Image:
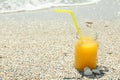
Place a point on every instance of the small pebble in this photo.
(0, 56)
(106, 26)
(1, 78)
(96, 71)
(89, 22)
(109, 52)
(87, 71)
(118, 78)
(65, 54)
(99, 68)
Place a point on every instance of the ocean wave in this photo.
(28, 5)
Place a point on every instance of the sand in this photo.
(44, 50)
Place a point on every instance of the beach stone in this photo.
(99, 68)
(96, 71)
(1, 78)
(106, 25)
(0, 56)
(89, 22)
(110, 52)
(118, 78)
(87, 71)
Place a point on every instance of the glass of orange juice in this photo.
(86, 50)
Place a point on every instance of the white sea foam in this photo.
(26, 5)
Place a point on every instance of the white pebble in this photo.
(87, 71)
(96, 71)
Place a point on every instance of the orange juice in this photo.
(85, 53)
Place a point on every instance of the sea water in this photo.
(26, 5)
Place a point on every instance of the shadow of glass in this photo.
(102, 70)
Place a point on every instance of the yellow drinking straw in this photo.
(73, 18)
